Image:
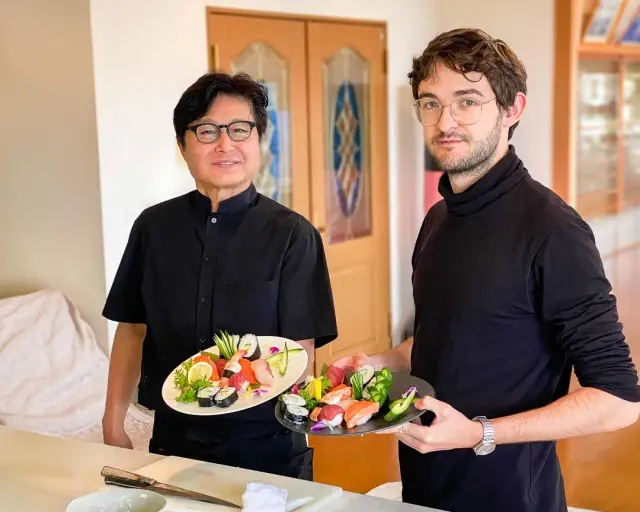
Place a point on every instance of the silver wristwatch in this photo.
(488, 444)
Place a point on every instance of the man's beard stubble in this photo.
(480, 157)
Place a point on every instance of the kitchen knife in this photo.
(123, 478)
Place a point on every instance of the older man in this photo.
(222, 257)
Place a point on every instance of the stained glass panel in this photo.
(264, 65)
(347, 143)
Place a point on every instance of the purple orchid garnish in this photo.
(318, 426)
(409, 391)
(260, 392)
(274, 350)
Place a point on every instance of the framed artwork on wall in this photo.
(603, 20)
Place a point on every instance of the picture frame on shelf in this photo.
(603, 21)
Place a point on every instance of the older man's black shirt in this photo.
(510, 296)
(253, 266)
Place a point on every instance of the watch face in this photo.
(485, 449)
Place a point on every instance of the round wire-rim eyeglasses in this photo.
(474, 112)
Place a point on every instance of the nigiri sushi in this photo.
(263, 372)
(233, 365)
(331, 415)
(358, 413)
(346, 403)
(315, 413)
(336, 395)
(239, 381)
(247, 370)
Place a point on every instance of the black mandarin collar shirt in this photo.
(188, 273)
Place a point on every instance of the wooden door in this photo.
(349, 178)
(327, 88)
(271, 51)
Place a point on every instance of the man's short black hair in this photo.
(198, 98)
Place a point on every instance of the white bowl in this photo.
(118, 500)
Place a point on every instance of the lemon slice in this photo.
(199, 370)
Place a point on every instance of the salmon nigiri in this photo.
(337, 395)
(358, 413)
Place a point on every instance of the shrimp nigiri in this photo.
(337, 395)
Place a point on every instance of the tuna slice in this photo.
(240, 382)
(335, 375)
(262, 371)
(331, 415)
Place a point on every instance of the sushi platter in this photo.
(237, 373)
(338, 404)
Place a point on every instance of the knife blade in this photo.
(121, 478)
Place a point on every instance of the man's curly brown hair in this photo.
(471, 50)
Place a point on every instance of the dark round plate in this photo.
(399, 385)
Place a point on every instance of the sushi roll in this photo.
(296, 414)
(366, 372)
(365, 390)
(291, 399)
(226, 397)
(206, 396)
(249, 343)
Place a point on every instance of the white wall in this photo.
(146, 52)
(527, 26)
(51, 231)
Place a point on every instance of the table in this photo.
(39, 472)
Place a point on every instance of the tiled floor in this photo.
(602, 472)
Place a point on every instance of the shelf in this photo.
(609, 51)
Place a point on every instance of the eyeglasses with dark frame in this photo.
(208, 133)
(465, 111)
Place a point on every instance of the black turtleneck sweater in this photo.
(510, 296)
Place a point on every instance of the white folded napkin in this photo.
(260, 497)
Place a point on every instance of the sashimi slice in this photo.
(335, 375)
(315, 413)
(262, 372)
(240, 382)
(220, 364)
(337, 395)
(360, 412)
(345, 404)
(247, 370)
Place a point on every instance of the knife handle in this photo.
(125, 478)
